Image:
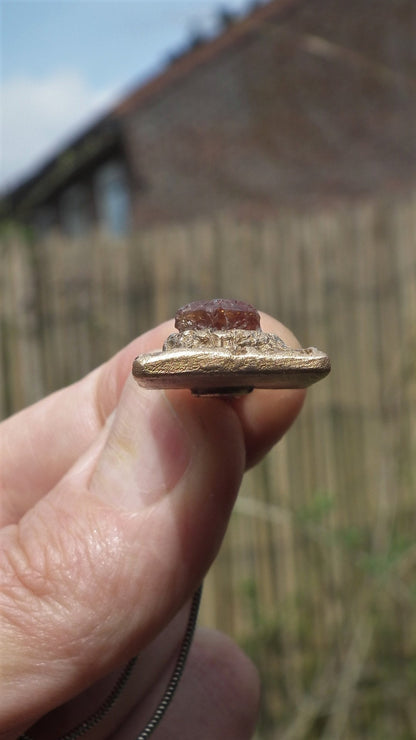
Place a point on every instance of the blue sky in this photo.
(63, 62)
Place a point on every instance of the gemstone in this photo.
(219, 314)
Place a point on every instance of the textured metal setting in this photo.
(229, 362)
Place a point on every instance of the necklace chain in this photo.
(94, 719)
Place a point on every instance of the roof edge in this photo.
(174, 72)
(205, 52)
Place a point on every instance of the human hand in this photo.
(115, 500)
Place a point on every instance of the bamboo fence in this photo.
(317, 576)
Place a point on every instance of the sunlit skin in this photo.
(115, 500)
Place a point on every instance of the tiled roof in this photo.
(236, 33)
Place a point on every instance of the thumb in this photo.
(101, 564)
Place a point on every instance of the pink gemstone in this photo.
(219, 314)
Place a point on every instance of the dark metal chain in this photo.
(178, 670)
(118, 687)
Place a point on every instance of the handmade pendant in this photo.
(220, 349)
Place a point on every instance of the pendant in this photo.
(220, 349)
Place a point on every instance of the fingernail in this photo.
(147, 451)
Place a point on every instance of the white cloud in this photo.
(40, 114)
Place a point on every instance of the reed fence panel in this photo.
(317, 575)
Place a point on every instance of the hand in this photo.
(115, 500)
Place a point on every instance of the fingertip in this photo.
(273, 326)
(267, 414)
(265, 417)
(235, 671)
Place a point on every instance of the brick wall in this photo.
(318, 103)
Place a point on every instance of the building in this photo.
(300, 102)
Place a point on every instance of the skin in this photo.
(115, 500)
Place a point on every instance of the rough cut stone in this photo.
(219, 314)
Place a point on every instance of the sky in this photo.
(64, 62)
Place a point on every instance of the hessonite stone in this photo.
(219, 314)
